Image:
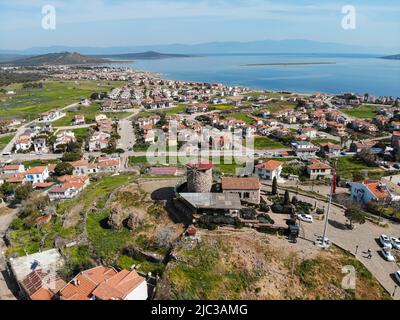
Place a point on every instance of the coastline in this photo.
(283, 64)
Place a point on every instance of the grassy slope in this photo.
(362, 112)
(265, 143)
(242, 265)
(29, 103)
(5, 140)
(89, 113)
(346, 166)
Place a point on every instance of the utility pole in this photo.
(329, 207)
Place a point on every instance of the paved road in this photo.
(127, 133)
(365, 236)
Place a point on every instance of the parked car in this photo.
(387, 255)
(305, 217)
(395, 243)
(385, 241)
(397, 276)
(322, 242)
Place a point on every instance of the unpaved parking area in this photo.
(364, 236)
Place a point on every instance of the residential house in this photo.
(367, 191)
(317, 170)
(336, 128)
(269, 169)
(310, 133)
(37, 174)
(62, 192)
(247, 188)
(79, 119)
(329, 149)
(13, 169)
(304, 149)
(104, 283)
(40, 146)
(98, 141)
(64, 138)
(51, 115)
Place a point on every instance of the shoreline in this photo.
(284, 64)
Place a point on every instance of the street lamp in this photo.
(394, 292)
(356, 250)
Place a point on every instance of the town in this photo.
(87, 216)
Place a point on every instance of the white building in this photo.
(37, 174)
(269, 170)
(304, 149)
(40, 146)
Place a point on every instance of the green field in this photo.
(29, 103)
(39, 163)
(319, 141)
(5, 140)
(265, 143)
(81, 133)
(346, 166)
(362, 112)
(89, 113)
(222, 107)
(240, 116)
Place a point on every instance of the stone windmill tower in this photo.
(199, 177)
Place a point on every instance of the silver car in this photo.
(395, 243)
(385, 241)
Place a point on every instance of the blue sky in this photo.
(107, 23)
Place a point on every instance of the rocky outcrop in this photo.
(116, 218)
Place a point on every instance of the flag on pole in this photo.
(334, 183)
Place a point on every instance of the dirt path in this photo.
(5, 221)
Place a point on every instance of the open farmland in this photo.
(29, 103)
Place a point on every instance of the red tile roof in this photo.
(82, 286)
(41, 285)
(319, 166)
(377, 189)
(36, 170)
(270, 165)
(118, 286)
(102, 282)
(200, 166)
(229, 183)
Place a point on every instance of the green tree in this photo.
(286, 198)
(63, 168)
(354, 215)
(274, 186)
(295, 201)
(22, 192)
(71, 156)
(7, 189)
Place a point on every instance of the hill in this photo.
(148, 55)
(263, 46)
(62, 58)
(394, 57)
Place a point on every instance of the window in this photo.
(246, 195)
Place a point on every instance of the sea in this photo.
(328, 73)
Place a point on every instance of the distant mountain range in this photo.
(264, 46)
(68, 58)
(394, 57)
(148, 55)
